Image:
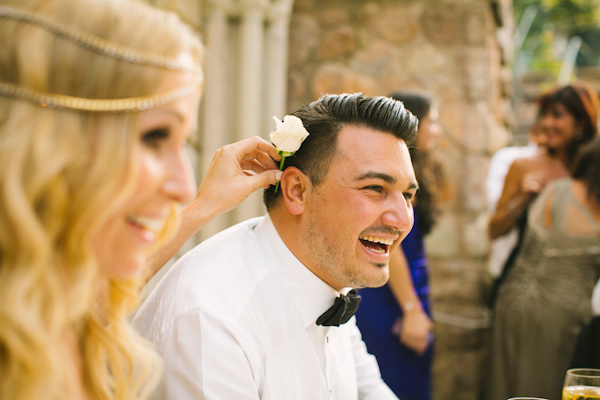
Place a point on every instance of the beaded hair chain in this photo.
(97, 105)
(107, 48)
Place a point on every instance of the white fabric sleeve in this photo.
(370, 384)
(204, 359)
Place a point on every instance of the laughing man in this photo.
(246, 314)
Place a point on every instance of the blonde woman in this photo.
(97, 100)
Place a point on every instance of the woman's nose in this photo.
(179, 183)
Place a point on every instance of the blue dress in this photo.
(405, 372)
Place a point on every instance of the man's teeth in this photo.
(377, 240)
(151, 224)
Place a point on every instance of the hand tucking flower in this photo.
(288, 137)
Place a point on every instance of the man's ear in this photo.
(294, 186)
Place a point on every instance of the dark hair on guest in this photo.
(428, 170)
(582, 102)
(586, 168)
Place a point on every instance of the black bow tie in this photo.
(342, 310)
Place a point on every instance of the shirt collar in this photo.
(311, 295)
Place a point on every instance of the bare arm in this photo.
(226, 184)
(416, 325)
(520, 187)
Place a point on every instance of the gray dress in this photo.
(545, 299)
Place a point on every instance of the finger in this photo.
(267, 147)
(420, 349)
(254, 145)
(265, 179)
(245, 149)
(253, 165)
(261, 158)
(417, 345)
(266, 160)
(412, 345)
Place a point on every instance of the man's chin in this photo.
(381, 278)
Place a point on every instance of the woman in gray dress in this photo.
(545, 299)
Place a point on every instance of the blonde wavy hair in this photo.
(62, 174)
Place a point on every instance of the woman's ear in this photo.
(294, 185)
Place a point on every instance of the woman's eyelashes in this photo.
(155, 137)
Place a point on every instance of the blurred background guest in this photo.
(500, 162)
(395, 320)
(567, 119)
(545, 299)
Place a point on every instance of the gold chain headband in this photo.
(104, 47)
(97, 105)
(94, 43)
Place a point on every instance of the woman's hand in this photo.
(414, 330)
(532, 183)
(226, 184)
(229, 181)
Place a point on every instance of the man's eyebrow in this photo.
(377, 175)
(386, 178)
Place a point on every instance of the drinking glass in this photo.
(582, 384)
(526, 398)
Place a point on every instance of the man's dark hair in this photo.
(325, 117)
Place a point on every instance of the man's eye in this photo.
(375, 188)
(409, 197)
(155, 137)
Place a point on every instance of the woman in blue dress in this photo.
(395, 320)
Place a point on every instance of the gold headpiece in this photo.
(107, 48)
(94, 43)
(97, 105)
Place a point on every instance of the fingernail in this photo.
(278, 175)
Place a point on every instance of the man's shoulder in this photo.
(223, 259)
(217, 276)
(241, 233)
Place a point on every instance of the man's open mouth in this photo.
(375, 244)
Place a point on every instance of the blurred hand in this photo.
(414, 330)
(533, 182)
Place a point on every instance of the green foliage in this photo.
(555, 22)
(570, 15)
(566, 16)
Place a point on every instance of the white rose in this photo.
(289, 134)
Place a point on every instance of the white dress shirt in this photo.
(234, 319)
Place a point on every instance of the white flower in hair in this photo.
(288, 137)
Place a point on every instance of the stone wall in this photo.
(457, 51)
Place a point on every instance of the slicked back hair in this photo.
(324, 119)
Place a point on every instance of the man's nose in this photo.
(399, 214)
